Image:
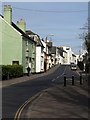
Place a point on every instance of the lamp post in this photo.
(46, 47)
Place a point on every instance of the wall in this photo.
(0, 41)
(29, 58)
(38, 59)
(11, 44)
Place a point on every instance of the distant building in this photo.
(68, 54)
(74, 58)
(63, 55)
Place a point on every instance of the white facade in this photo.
(74, 58)
(44, 44)
(39, 59)
(60, 59)
(57, 56)
(46, 56)
(69, 54)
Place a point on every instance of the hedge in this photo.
(11, 71)
(80, 65)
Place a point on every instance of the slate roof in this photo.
(38, 42)
(19, 30)
(1, 16)
(23, 33)
(74, 55)
(49, 44)
(29, 32)
(53, 50)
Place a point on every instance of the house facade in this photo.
(39, 51)
(67, 54)
(74, 58)
(17, 47)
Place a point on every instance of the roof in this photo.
(61, 48)
(1, 16)
(29, 32)
(19, 30)
(38, 42)
(53, 50)
(74, 55)
(49, 44)
(23, 33)
(61, 51)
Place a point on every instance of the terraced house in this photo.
(39, 51)
(17, 46)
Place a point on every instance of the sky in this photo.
(63, 20)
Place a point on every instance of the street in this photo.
(45, 60)
(15, 95)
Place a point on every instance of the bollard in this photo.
(72, 79)
(80, 79)
(64, 80)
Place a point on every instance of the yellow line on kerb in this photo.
(19, 111)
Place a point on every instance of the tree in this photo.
(87, 41)
(86, 37)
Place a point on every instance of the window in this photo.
(67, 48)
(15, 62)
(26, 43)
(30, 59)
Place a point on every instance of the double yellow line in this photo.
(20, 110)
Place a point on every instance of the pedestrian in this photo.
(28, 70)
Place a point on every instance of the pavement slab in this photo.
(60, 102)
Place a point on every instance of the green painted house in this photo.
(17, 46)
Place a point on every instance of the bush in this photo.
(80, 65)
(11, 71)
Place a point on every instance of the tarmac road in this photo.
(14, 96)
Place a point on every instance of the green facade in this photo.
(0, 42)
(11, 44)
(14, 48)
(29, 54)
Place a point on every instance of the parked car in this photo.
(73, 66)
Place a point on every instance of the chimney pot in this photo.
(21, 25)
(8, 13)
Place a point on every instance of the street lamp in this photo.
(46, 47)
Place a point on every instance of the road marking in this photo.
(53, 80)
(19, 111)
(60, 75)
(78, 73)
(63, 72)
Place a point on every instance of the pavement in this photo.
(60, 102)
(6, 83)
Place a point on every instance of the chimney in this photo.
(8, 13)
(21, 25)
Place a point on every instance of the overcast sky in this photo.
(62, 19)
